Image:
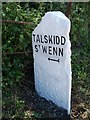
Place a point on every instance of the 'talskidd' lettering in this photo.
(49, 39)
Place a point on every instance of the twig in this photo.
(68, 11)
(16, 53)
(11, 21)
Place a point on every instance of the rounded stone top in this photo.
(55, 13)
(53, 21)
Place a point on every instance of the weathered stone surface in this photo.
(52, 62)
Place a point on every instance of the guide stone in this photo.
(52, 61)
